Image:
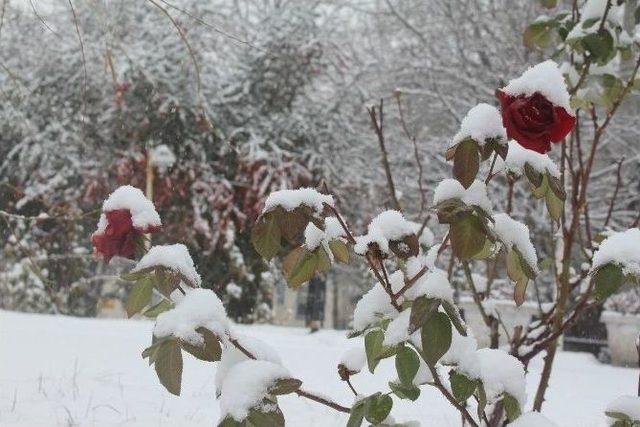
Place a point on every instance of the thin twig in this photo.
(377, 120)
(615, 192)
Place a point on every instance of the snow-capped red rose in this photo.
(534, 121)
(117, 236)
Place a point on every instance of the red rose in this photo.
(116, 235)
(534, 121)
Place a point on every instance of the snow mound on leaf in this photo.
(501, 373)
(481, 122)
(246, 384)
(620, 248)
(544, 78)
(143, 212)
(387, 226)
(628, 405)
(231, 356)
(291, 199)
(174, 257)
(198, 308)
(398, 329)
(475, 195)
(373, 305)
(433, 284)
(313, 236)
(517, 156)
(532, 419)
(515, 233)
(354, 359)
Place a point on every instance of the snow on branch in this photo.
(198, 308)
(246, 385)
(174, 257)
(292, 199)
(518, 156)
(475, 195)
(621, 249)
(481, 123)
(514, 233)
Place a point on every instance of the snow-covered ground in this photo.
(89, 372)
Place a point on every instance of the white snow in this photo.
(143, 213)
(233, 290)
(332, 228)
(174, 257)
(501, 372)
(313, 236)
(398, 329)
(517, 156)
(246, 384)
(231, 356)
(476, 194)
(162, 157)
(373, 305)
(515, 233)
(482, 122)
(544, 78)
(628, 405)
(199, 308)
(427, 237)
(532, 419)
(354, 359)
(291, 199)
(387, 226)
(93, 375)
(621, 248)
(462, 350)
(433, 284)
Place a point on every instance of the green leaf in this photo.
(481, 394)
(210, 351)
(534, 177)
(511, 406)
(285, 386)
(292, 223)
(436, 337)
(461, 386)
(608, 280)
(467, 236)
(160, 307)
(152, 351)
(600, 45)
(556, 187)
(538, 35)
(340, 250)
(304, 269)
(421, 309)
(139, 296)
(266, 235)
(516, 273)
(228, 421)
(378, 408)
(168, 366)
(258, 416)
(466, 162)
(407, 365)
(357, 414)
(454, 315)
(408, 392)
(549, 4)
(373, 347)
(555, 206)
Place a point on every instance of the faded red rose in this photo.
(534, 121)
(119, 237)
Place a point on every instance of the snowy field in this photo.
(59, 371)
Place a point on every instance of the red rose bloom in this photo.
(117, 236)
(534, 121)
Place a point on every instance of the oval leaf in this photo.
(436, 337)
(466, 162)
(169, 366)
